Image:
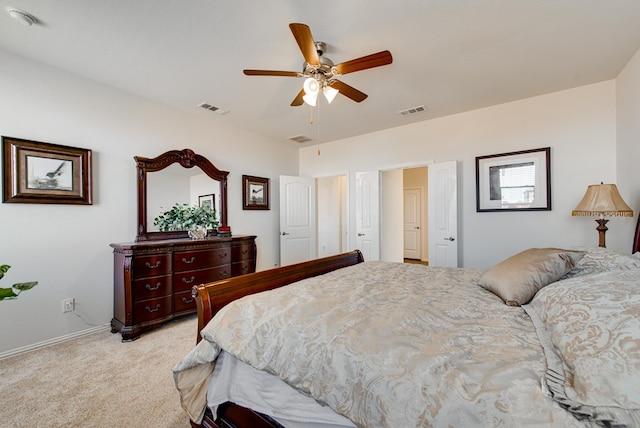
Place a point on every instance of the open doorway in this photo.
(331, 197)
(415, 215)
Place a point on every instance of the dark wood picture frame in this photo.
(255, 193)
(514, 181)
(208, 200)
(44, 173)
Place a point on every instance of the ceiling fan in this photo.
(319, 71)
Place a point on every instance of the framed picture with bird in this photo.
(255, 193)
(44, 173)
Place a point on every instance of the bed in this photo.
(352, 343)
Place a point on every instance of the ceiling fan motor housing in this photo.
(321, 48)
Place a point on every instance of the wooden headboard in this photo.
(211, 297)
(636, 237)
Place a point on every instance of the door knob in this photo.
(417, 227)
(284, 233)
(360, 234)
(451, 238)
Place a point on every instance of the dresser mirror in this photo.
(177, 176)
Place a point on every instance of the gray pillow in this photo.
(517, 279)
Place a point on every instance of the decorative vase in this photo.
(200, 232)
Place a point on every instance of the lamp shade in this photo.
(310, 99)
(602, 200)
(311, 86)
(329, 93)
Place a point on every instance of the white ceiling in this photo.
(448, 55)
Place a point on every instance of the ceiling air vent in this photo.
(413, 110)
(213, 108)
(300, 139)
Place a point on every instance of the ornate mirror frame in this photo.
(187, 159)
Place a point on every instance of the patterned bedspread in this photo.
(388, 345)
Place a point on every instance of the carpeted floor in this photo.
(98, 381)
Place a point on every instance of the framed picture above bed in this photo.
(515, 181)
(255, 193)
(43, 173)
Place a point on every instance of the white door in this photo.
(443, 208)
(297, 219)
(368, 214)
(412, 229)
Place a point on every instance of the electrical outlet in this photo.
(68, 305)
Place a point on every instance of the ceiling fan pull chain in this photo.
(310, 115)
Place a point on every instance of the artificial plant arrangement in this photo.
(8, 293)
(185, 217)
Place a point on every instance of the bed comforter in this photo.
(388, 345)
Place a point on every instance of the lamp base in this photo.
(602, 229)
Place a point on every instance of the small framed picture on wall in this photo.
(255, 193)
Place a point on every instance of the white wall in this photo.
(65, 247)
(578, 124)
(628, 150)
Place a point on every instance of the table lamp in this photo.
(602, 200)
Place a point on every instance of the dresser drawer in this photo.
(189, 260)
(153, 265)
(243, 252)
(186, 280)
(184, 301)
(153, 286)
(242, 268)
(152, 309)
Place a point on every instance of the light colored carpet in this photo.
(98, 381)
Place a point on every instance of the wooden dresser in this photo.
(153, 279)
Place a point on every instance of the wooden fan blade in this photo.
(298, 101)
(349, 91)
(271, 73)
(365, 62)
(302, 34)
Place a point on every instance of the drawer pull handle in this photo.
(149, 287)
(184, 299)
(193, 259)
(147, 264)
(223, 256)
(188, 281)
(157, 308)
(245, 251)
(223, 274)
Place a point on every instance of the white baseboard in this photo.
(28, 348)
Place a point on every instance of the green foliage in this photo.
(184, 217)
(8, 293)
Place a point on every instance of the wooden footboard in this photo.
(210, 298)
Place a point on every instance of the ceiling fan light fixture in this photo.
(329, 93)
(311, 99)
(311, 86)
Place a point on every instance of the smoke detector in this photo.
(25, 18)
